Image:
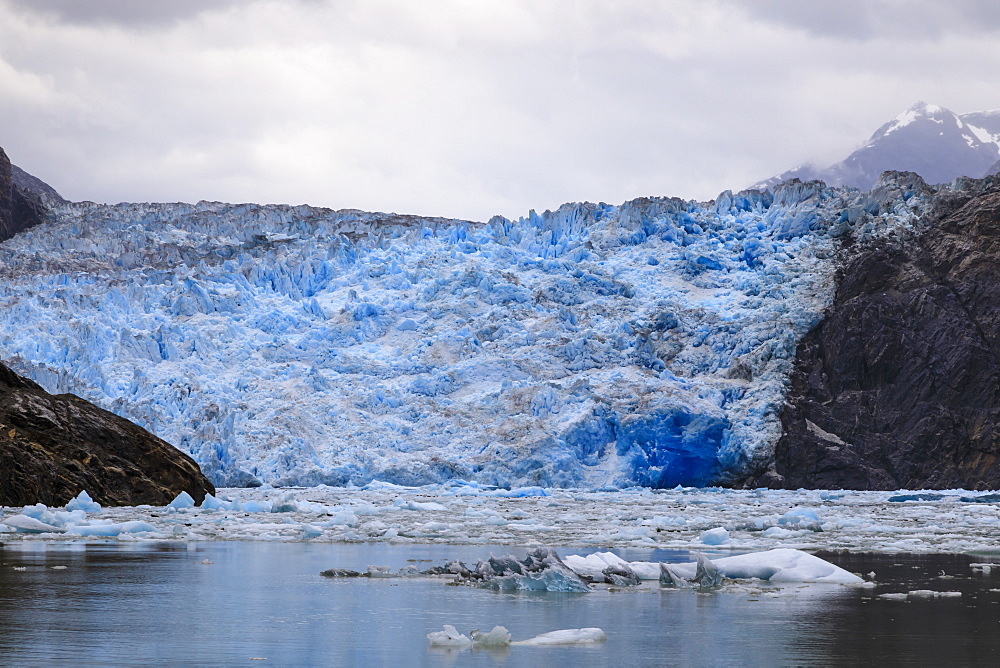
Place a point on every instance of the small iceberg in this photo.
(586, 636)
(784, 565)
(540, 570)
(25, 524)
(500, 637)
(450, 637)
(706, 575)
(83, 502)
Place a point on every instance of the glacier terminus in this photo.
(596, 346)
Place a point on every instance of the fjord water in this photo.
(233, 603)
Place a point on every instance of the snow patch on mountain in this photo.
(596, 345)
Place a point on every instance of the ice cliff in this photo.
(599, 346)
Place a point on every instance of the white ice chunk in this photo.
(498, 637)
(784, 565)
(566, 637)
(593, 565)
(256, 506)
(780, 565)
(799, 517)
(450, 637)
(214, 503)
(716, 536)
(418, 505)
(83, 502)
(111, 529)
(182, 500)
(25, 524)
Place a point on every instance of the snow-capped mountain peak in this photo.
(928, 139)
(919, 112)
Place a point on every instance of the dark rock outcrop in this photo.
(34, 185)
(899, 386)
(20, 208)
(54, 446)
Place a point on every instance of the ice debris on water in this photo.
(801, 518)
(499, 637)
(783, 565)
(450, 637)
(856, 521)
(918, 594)
(540, 570)
(584, 636)
(621, 575)
(292, 345)
(706, 576)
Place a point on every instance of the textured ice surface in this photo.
(593, 346)
(634, 519)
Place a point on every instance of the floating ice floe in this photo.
(500, 637)
(779, 565)
(585, 636)
(450, 637)
(918, 594)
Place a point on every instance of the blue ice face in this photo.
(591, 346)
(673, 448)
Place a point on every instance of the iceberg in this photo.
(540, 570)
(783, 565)
(83, 502)
(585, 636)
(449, 637)
(497, 637)
(299, 346)
(25, 524)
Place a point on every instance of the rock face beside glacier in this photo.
(596, 345)
(899, 386)
(20, 208)
(54, 447)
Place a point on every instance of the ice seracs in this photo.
(594, 346)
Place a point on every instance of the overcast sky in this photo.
(467, 109)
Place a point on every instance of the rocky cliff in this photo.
(54, 446)
(20, 208)
(899, 385)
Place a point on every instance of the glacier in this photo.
(594, 346)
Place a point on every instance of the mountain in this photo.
(926, 139)
(20, 209)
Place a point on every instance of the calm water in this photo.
(114, 604)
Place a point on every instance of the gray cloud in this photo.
(127, 13)
(460, 109)
(860, 20)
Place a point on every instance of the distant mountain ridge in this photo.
(932, 141)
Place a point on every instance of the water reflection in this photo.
(232, 603)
